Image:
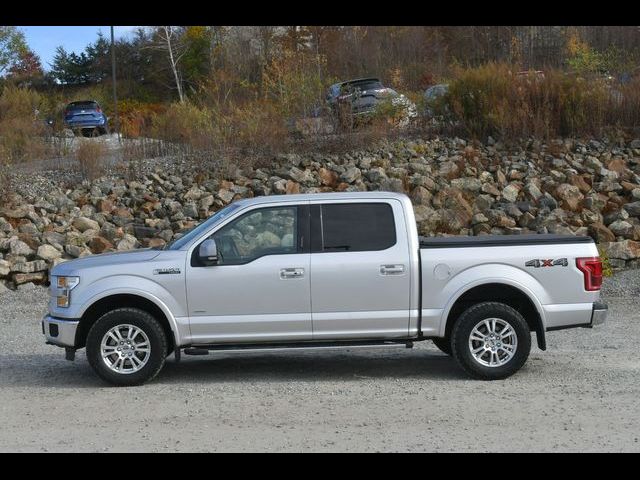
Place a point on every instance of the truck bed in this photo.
(543, 265)
(500, 240)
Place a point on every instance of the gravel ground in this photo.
(580, 395)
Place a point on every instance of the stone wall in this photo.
(565, 186)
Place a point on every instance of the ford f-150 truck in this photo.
(322, 271)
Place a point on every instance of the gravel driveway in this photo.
(582, 394)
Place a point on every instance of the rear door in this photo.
(360, 279)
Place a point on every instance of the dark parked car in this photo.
(86, 117)
(362, 96)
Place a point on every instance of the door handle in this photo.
(392, 269)
(287, 273)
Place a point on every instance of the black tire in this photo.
(144, 321)
(468, 321)
(443, 344)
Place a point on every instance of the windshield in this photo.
(196, 231)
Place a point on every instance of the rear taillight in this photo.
(591, 268)
(99, 110)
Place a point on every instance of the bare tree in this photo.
(169, 41)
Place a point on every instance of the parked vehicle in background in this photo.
(321, 271)
(359, 99)
(86, 117)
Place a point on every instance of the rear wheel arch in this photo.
(113, 302)
(505, 293)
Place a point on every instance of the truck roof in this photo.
(322, 196)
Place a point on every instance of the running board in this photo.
(205, 349)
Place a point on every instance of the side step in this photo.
(273, 347)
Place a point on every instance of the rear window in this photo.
(357, 227)
(362, 85)
(82, 106)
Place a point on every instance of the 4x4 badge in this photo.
(537, 263)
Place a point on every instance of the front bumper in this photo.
(79, 126)
(599, 313)
(59, 331)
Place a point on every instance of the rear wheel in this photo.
(126, 346)
(491, 341)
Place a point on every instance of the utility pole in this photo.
(115, 94)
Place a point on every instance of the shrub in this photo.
(21, 127)
(607, 269)
(90, 155)
(136, 118)
(256, 128)
(185, 123)
(495, 100)
(292, 82)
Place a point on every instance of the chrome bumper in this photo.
(60, 332)
(599, 313)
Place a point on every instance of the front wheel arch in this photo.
(112, 302)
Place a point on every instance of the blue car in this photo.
(86, 117)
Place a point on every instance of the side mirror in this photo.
(208, 252)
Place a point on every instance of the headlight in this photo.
(64, 286)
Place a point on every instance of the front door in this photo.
(259, 291)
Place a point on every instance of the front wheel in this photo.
(126, 347)
(491, 341)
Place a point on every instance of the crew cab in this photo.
(322, 271)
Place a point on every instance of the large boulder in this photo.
(601, 233)
(128, 242)
(48, 252)
(510, 192)
(100, 244)
(633, 208)
(621, 228)
(18, 247)
(328, 178)
(625, 250)
(351, 174)
(84, 223)
(5, 268)
(570, 196)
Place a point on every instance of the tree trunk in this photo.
(174, 66)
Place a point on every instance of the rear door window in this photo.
(357, 227)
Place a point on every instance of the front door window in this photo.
(267, 231)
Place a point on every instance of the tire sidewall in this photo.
(140, 319)
(465, 324)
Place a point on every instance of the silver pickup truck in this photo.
(322, 271)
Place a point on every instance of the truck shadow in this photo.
(324, 366)
(53, 371)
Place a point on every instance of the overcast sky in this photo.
(44, 40)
